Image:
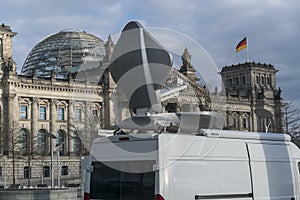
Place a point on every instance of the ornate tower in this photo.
(187, 68)
(6, 61)
(253, 85)
(109, 48)
(7, 75)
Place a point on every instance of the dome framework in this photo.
(63, 53)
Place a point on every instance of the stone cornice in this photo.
(45, 85)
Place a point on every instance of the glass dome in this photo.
(63, 53)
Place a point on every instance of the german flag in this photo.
(241, 45)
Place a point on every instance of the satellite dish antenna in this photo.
(139, 65)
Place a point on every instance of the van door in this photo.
(272, 171)
(109, 181)
(297, 178)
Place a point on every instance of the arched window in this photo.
(77, 144)
(257, 79)
(262, 80)
(237, 82)
(230, 81)
(41, 142)
(23, 141)
(235, 121)
(60, 141)
(269, 80)
(245, 124)
(234, 124)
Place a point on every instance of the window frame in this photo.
(95, 115)
(61, 114)
(23, 139)
(262, 80)
(245, 123)
(237, 81)
(78, 114)
(60, 138)
(64, 170)
(44, 114)
(41, 142)
(46, 171)
(234, 122)
(76, 144)
(27, 172)
(23, 113)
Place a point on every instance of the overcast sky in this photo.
(271, 26)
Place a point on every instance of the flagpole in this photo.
(247, 55)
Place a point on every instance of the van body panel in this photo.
(117, 148)
(192, 166)
(272, 170)
(186, 166)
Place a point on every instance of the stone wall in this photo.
(40, 194)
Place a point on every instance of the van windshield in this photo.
(113, 184)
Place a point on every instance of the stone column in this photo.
(11, 107)
(34, 118)
(239, 121)
(103, 115)
(108, 108)
(53, 118)
(8, 120)
(70, 126)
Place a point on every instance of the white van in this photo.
(197, 160)
(213, 164)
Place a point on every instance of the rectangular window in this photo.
(61, 114)
(76, 144)
(244, 123)
(237, 81)
(43, 112)
(64, 170)
(23, 112)
(262, 80)
(46, 171)
(26, 172)
(78, 114)
(108, 182)
(230, 82)
(234, 122)
(95, 115)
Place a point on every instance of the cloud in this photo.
(272, 26)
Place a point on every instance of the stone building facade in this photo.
(62, 97)
(65, 94)
(37, 113)
(252, 100)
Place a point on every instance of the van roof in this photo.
(212, 133)
(245, 135)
